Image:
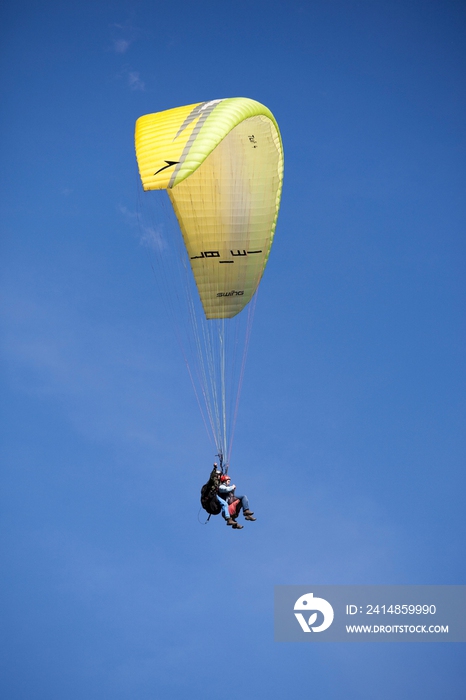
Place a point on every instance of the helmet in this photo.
(225, 477)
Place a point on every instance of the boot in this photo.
(248, 512)
(249, 517)
(237, 526)
(230, 521)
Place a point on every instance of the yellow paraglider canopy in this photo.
(222, 164)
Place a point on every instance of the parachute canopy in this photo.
(222, 165)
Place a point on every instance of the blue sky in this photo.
(350, 437)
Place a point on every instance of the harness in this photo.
(210, 490)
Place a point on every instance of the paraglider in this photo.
(221, 164)
(218, 496)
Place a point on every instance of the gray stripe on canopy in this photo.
(205, 112)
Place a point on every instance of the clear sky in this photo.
(350, 440)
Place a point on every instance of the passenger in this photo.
(231, 504)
